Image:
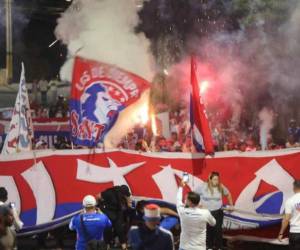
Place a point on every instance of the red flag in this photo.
(200, 128)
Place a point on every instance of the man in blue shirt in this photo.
(93, 221)
(149, 236)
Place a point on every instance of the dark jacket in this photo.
(142, 238)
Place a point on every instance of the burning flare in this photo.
(153, 125)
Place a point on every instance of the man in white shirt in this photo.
(193, 220)
(292, 217)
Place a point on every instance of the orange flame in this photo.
(142, 115)
(153, 125)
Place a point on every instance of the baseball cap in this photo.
(89, 201)
(151, 212)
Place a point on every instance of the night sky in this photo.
(35, 20)
(33, 25)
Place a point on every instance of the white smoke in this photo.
(103, 30)
(254, 68)
(266, 118)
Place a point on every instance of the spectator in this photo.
(294, 130)
(142, 145)
(188, 146)
(212, 193)
(18, 224)
(291, 142)
(175, 142)
(292, 217)
(34, 90)
(162, 144)
(61, 143)
(115, 202)
(242, 146)
(169, 218)
(149, 236)
(7, 235)
(251, 147)
(40, 145)
(193, 221)
(53, 90)
(89, 225)
(43, 87)
(61, 107)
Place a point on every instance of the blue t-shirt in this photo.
(95, 223)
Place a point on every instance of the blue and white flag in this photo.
(99, 93)
(20, 130)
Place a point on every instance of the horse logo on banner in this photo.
(99, 93)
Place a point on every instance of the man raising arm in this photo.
(193, 221)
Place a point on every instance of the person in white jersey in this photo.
(292, 217)
(193, 221)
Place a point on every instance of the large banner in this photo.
(99, 93)
(48, 186)
(45, 129)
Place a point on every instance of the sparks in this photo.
(54, 42)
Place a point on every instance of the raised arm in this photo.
(179, 203)
(168, 211)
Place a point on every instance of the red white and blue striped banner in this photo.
(260, 182)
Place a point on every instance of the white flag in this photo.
(20, 130)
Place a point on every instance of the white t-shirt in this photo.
(211, 201)
(193, 225)
(292, 207)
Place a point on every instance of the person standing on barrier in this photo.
(211, 194)
(292, 217)
(193, 221)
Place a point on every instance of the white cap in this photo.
(89, 201)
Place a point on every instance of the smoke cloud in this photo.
(266, 124)
(104, 31)
(252, 68)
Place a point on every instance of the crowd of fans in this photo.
(47, 103)
(225, 137)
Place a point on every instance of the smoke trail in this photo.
(266, 124)
(104, 31)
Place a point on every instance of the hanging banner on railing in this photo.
(260, 182)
